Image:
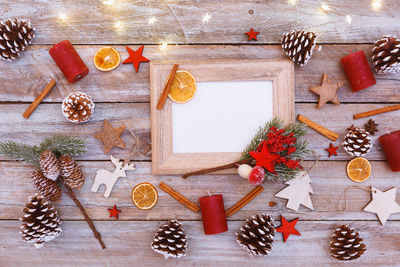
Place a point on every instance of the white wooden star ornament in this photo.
(383, 203)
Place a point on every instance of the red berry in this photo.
(257, 176)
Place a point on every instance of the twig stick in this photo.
(38, 99)
(181, 199)
(376, 111)
(134, 149)
(214, 169)
(72, 195)
(244, 201)
(167, 87)
(319, 128)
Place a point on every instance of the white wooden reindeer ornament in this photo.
(109, 178)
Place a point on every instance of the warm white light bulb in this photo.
(292, 2)
(152, 20)
(108, 2)
(376, 5)
(163, 45)
(349, 19)
(62, 16)
(206, 17)
(325, 7)
(118, 25)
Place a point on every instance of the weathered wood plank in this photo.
(128, 243)
(181, 21)
(328, 186)
(25, 78)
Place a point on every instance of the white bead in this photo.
(244, 171)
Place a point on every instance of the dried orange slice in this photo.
(106, 59)
(183, 87)
(359, 169)
(144, 196)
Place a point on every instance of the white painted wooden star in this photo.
(383, 203)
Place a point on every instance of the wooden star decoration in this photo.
(287, 228)
(114, 212)
(383, 203)
(135, 57)
(110, 136)
(332, 150)
(265, 158)
(252, 34)
(327, 91)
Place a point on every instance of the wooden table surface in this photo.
(122, 96)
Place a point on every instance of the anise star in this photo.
(287, 228)
(135, 57)
(327, 91)
(371, 127)
(332, 150)
(265, 158)
(252, 34)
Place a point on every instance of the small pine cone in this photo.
(40, 222)
(49, 165)
(77, 107)
(357, 142)
(346, 244)
(71, 172)
(299, 45)
(386, 55)
(15, 36)
(48, 188)
(257, 235)
(170, 240)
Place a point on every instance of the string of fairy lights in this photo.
(376, 5)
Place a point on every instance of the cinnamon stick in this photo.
(244, 201)
(167, 87)
(319, 128)
(376, 112)
(181, 199)
(39, 99)
(214, 169)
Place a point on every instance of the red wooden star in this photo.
(287, 228)
(135, 57)
(265, 158)
(252, 34)
(114, 212)
(332, 150)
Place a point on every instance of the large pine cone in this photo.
(49, 165)
(299, 45)
(170, 240)
(386, 55)
(40, 222)
(48, 188)
(257, 235)
(77, 107)
(357, 142)
(71, 172)
(346, 244)
(15, 36)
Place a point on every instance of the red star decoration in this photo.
(287, 228)
(265, 158)
(114, 212)
(332, 150)
(252, 34)
(135, 57)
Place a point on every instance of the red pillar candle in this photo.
(358, 71)
(68, 60)
(213, 213)
(391, 147)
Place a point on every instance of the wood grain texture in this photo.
(24, 79)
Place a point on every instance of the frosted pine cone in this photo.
(48, 188)
(15, 36)
(170, 240)
(299, 46)
(257, 235)
(78, 107)
(49, 165)
(71, 172)
(346, 244)
(357, 142)
(386, 55)
(40, 222)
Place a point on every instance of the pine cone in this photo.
(257, 235)
(346, 244)
(170, 240)
(49, 165)
(71, 172)
(15, 36)
(77, 107)
(48, 188)
(386, 55)
(357, 142)
(299, 45)
(40, 222)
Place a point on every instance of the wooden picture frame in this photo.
(164, 160)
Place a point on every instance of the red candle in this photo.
(391, 147)
(358, 71)
(213, 213)
(68, 60)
